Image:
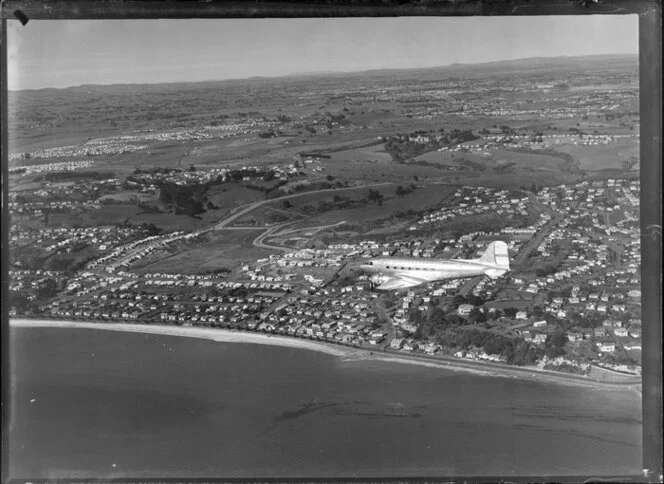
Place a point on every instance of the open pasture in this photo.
(452, 159)
(266, 216)
(600, 157)
(231, 151)
(516, 180)
(224, 249)
(127, 196)
(230, 195)
(375, 153)
(381, 172)
(528, 161)
(392, 205)
(169, 222)
(105, 215)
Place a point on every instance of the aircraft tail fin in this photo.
(497, 256)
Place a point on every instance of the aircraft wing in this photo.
(400, 282)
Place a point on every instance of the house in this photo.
(539, 338)
(606, 347)
(621, 332)
(539, 324)
(396, 343)
(431, 348)
(409, 345)
(521, 315)
(574, 337)
(465, 309)
(375, 339)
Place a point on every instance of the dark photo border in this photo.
(650, 73)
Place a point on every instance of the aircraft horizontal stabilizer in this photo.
(494, 273)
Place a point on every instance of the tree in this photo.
(437, 316)
(538, 312)
(400, 191)
(458, 300)
(476, 316)
(374, 195)
(287, 204)
(269, 175)
(454, 319)
(510, 312)
(553, 346)
(48, 289)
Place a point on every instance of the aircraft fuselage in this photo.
(429, 270)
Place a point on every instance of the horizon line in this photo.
(324, 72)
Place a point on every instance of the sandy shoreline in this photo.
(345, 353)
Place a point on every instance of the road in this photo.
(258, 241)
(556, 217)
(223, 223)
(522, 256)
(470, 285)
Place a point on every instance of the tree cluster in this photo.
(515, 350)
(186, 199)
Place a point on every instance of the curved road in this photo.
(223, 223)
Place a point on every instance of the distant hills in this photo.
(552, 65)
(531, 64)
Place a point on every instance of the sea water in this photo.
(88, 403)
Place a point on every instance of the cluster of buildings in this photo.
(478, 200)
(491, 142)
(98, 147)
(122, 257)
(65, 239)
(335, 314)
(65, 198)
(136, 142)
(149, 181)
(36, 209)
(562, 106)
(32, 279)
(48, 167)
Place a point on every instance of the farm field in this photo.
(375, 153)
(420, 199)
(381, 172)
(528, 161)
(230, 195)
(600, 157)
(447, 158)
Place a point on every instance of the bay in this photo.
(87, 403)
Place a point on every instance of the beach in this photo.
(346, 353)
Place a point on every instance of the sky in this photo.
(62, 53)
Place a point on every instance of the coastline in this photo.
(344, 353)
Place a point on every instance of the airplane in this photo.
(401, 272)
